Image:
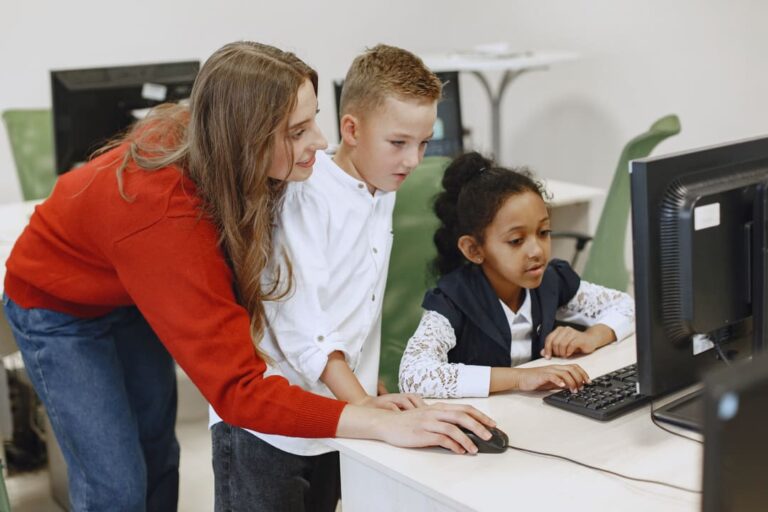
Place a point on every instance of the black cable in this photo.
(720, 353)
(614, 473)
(665, 429)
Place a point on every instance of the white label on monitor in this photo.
(707, 216)
(156, 92)
(701, 343)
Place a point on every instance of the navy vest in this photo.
(467, 300)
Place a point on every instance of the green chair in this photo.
(414, 224)
(605, 265)
(30, 132)
(5, 505)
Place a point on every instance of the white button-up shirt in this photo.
(338, 237)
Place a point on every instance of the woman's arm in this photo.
(434, 425)
(186, 296)
(425, 369)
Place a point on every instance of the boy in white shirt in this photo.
(336, 230)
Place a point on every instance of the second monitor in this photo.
(90, 106)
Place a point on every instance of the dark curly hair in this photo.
(474, 189)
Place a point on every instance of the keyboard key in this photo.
(607, 397)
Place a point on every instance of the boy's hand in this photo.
(556, 376)
(567, 341)
(393, 401)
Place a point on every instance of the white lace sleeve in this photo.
(425, 369)
(594, 304)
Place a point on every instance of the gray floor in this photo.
(30, 492)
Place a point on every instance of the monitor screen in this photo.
(735, 449)
(90, 106)
(699, 243)
(448, 138)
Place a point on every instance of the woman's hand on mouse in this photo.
(433, 425)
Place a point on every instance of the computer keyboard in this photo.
(606, 398)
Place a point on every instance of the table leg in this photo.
(495, 100)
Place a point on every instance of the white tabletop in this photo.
(565, 193)
(13, 219)
(631, 444)
(474, 61)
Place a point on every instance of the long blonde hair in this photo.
(224, 140)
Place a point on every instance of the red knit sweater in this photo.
(87, 250)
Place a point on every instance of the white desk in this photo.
(13, 218)
(572, 208)
(512, 66)
(379, 477)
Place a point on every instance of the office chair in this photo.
(605, 265)
(413, 224)
(30, 132)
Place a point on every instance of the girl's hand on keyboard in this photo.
(555, 376)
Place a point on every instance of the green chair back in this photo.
(605, 265)
(30, 132)
(414, 224)
(5, 505)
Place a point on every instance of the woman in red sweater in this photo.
(153, 251)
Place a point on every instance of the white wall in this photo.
(703, 60)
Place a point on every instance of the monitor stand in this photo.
(686, 412)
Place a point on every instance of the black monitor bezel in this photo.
(71, 85)
(664, 366)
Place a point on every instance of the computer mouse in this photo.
(496, 444)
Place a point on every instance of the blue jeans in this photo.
(252, 475)
(109, 387)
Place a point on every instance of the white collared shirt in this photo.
(521, 328)
(338, 237)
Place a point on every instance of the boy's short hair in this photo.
(384, 71)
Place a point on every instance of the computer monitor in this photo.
(90, 106)
(735, 448)
(448, 138)
(699, 243)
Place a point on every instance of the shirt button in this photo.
(360, 185)
(373, 297)
(321, 338)
(375, 251)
